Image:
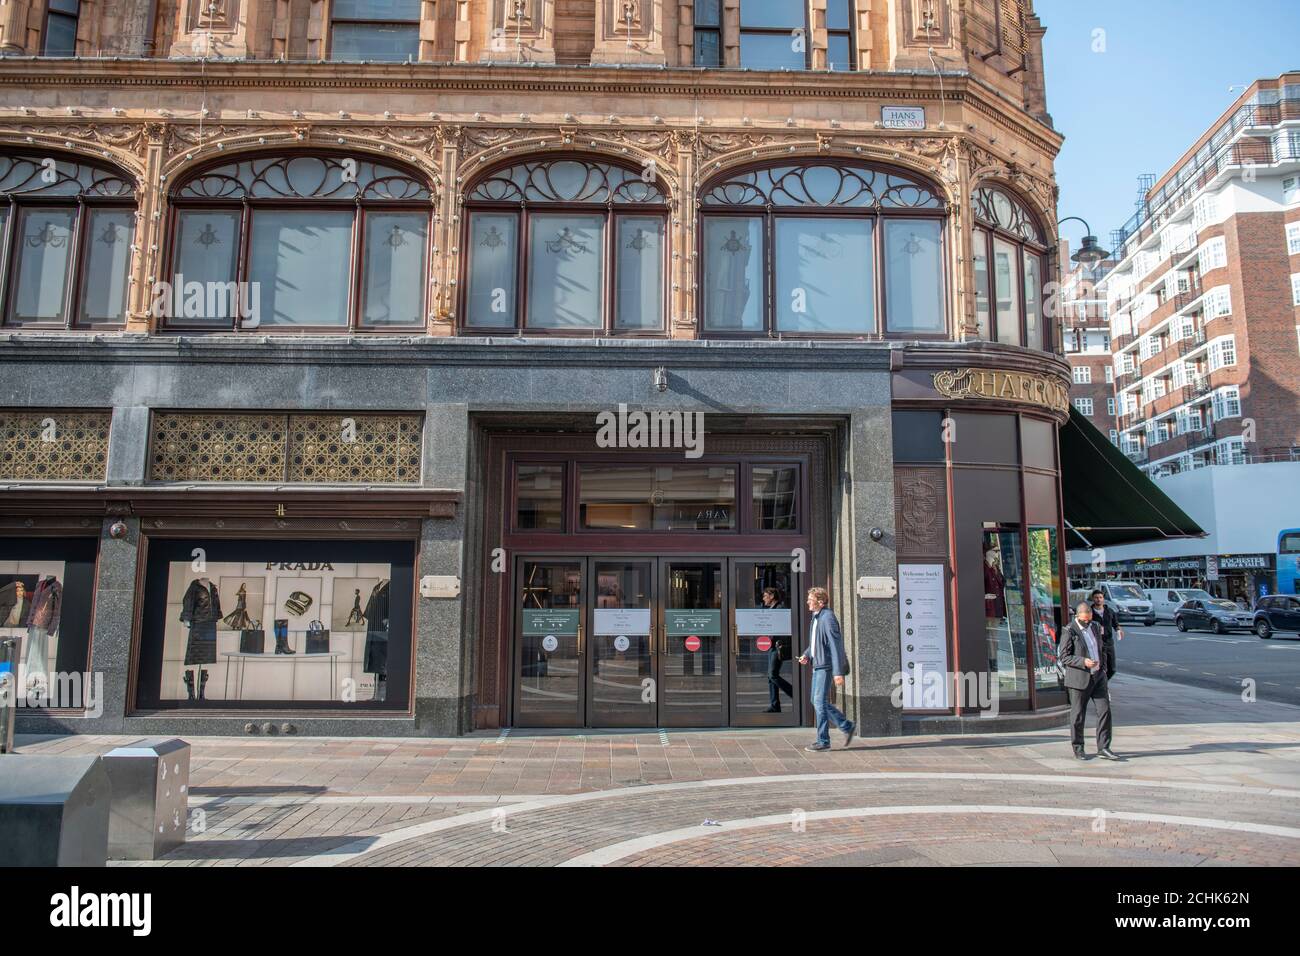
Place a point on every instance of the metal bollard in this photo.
(151, 783)
(8, 693)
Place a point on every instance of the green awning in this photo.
(1107, 499)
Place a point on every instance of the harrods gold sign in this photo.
(1000, 385)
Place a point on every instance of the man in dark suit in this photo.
(826, 652)
(1106, 620)
(1081, 653)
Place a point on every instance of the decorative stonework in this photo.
(191, 447)
(384, 449)
(920, 511)
(999, 385)
(54, 445)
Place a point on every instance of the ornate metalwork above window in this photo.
(50, 176)
(566, 180)
(256, 448)
(821, 184)
(305, 177)
(54, 445)
(1001, 210)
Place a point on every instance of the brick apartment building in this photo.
(1204, 298)
(1085, 324)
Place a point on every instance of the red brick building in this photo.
(1204, 320)
(1085, 324)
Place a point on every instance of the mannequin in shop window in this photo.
(995, 601)
(42, 623)
(376, 659)
(201, 610)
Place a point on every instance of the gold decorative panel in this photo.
(54, 445)
(315, 449)
(920, 511)
(215, 447)
(334, 449)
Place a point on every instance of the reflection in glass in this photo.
(302, 261)
(1033, 290)
(639, 282)
(695, 653)
(1004, 612)
(981, 260)
(1006, 276)
(620, 645)
(733, 274)
(776, 497)
(493, 250)
(393, 277)
(539, 497)
(658, 497)
(108, 257)
(550, 608)
(772, 51)
(44, 248)
(566, 257)
(823, 275)
(206, 252)
(775, 14)
(1045, 598)
(382, 42)
(914, 276)
(764, 669)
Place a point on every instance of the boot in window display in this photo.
(201, 610)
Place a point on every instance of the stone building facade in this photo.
(401, 503)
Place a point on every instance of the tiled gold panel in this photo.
(216, 447)
(314, 449)
(54, 445)
(381, 449)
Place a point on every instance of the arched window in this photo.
(67, 227)
(1007, 235)
(327, 242)
(822, 248)
(584, 240)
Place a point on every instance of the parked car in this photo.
(1164, 601)
(1279, 612)
(1128, 600)
(1217, 615)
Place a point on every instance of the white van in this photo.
(1129, 601)
(1167, 600)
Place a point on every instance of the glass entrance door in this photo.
(549, 605)
(621, 678)
(693, 660)
(766, 618)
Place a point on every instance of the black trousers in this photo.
(775, 682)
(1098, 690)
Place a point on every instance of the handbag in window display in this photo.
(252, 639)
(318, 638)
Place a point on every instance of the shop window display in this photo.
(1004, 611)
(233, 624)
(45, 601)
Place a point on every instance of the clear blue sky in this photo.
(1161, 80)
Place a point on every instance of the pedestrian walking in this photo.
(1081, 653)
(826, 654)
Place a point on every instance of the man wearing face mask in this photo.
(1082, 654)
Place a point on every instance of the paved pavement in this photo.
(1229, 662)
(1209, 780)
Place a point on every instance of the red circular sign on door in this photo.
(763, 643)
(692, 643)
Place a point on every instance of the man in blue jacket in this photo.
(826, 652)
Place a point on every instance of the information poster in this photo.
(703, 623)
(774, 621)
(550, 621)
(622, 620)
(923, 636)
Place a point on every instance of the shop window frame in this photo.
(246, 205)
(1016, 232)
(100, 186)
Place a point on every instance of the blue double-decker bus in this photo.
(1288, 556)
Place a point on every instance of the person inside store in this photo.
(775, 655)
(1081, 655)
(826, 654)
(1106, 619)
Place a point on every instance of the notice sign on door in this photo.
(549, 621)
(923, 635)
(763, 620)
(707, 623)
(622, 620)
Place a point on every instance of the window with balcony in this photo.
(1082, 375)
(67, 229)
(60, 37)
(822, 249)
(301, 242)
(773, 35)
(708, 33)
(1212, 255)
(1204, 212)
(565, 246)
(381, 30)
(1291, 190)
(1008, 295)
(1227, 403)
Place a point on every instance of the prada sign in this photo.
(999, 385)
